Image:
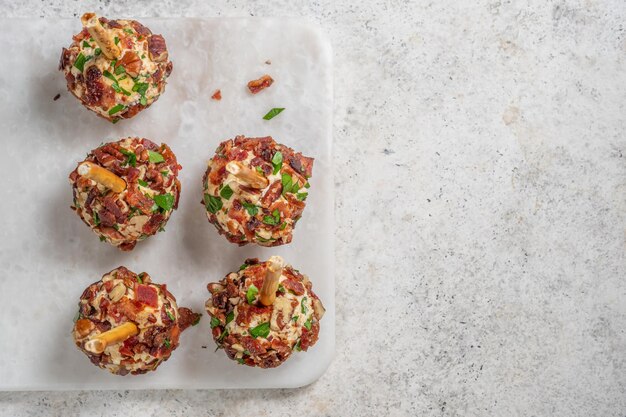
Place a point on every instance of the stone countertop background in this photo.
(481, 206)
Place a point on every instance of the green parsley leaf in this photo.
(297, 346)
(120, 70)
(142, 183)
(302, 196)
(281, 288)
(286, 181)
(97, 51)
(212, 203)
(165, 173)
(140, 278)
(167, 343)
(261, 239)
(165, 201)
(241, 361)
(273, 220)
(80, 62)
(109, 76)
(96, 218)
(215, 322)
(283, 225)
(116, 227)
(155, 157)
(242, 267)
(129, 31)
(171, 316)
(307, 185)
(307, 324)
(230, 316)
(116, 108)
(250, 208)
(141, 88)
(277, 162)
(273, 113)
(226, 192)
(302, 306)
(86, 44)
(103, 239)
(143, 101)
(116, 40)
(262, 330)
(251, 293)
(295, 318)
(131, 158)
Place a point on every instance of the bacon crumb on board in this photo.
(217, 95)
(262, 83)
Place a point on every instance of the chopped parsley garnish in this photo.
(86, 44)
(272, 220)
(96, 218)
(131, 158)
(142, 183)
(262, 330)
(222, 336)
(277, 162)
(251, 293)
(196, 320)
(302, 306)
(109, 76)
(167, 343)
(171, 316)
(165, 173)
(116, 227)
(226, 192)
(116, 108)
(103, 239)
(241, 361)
(155, 157)
(297, 346)
(273, 113)
(242, 267)
(120, 70)
(161, 228)
(116, 40)
(143, 101)
(289, 185)
(164, 201)
(97, 51)
(115, 86)
(307, 324)
(302, 196)
(283, 225)
(250, 208)
(262, 239)
(259, 170)
(140, 88)
(230, 316)
(129, 31)
(307, 185)
(281, 288)
(215, 322)
(80, 62)
(212, 203)
(140, 278)
(295, 318)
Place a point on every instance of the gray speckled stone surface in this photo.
(481, 209)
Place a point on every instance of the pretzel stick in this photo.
(248, 176)
(275, 265)
(102, 176)
(101, 35)
(98, 343)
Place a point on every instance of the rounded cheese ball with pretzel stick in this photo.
(255, 190)
(127, 324)
(126, 191)
(263, 332)
(116, 68)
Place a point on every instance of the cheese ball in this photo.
(116, 68)
(123, 299)
(152, 191)
(255, 190)
(258, 335)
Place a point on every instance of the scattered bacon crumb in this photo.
(56, 97)
(268, 62)
(262, 83)
(217, 95)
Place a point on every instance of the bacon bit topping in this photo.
(58, 96)
(217, 95)
(147, 295)
(157, 48)
(262, 83)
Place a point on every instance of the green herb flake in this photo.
(262, 330)
(281, 288)
(115, 109)
(142, 183)
(302, 196)
(129, 31)
(141, 88)
(171, 316)
(297, 346)
(167, 343)
(103, 239)
(250, 208)
(120, 70)
(131, 158)
(277, 162)
(272, 220)
(251, 293)
(215, 322)
(307, 324)
(307, 185)
(155, 157)
(96, 218)
(196, 320)
(80, 62)
(116, 40)
(283, 225)
(295, 318)
(302, 306)
(241, 361)
(97, 51)
(222, 336)
(273, 113)
(86, 44)
(109, 76)
(212, 203)
(164, 201)
(143, 101)
(242, 267)
(226, 192)
(140, 278)
(165, 173)
(230, 316)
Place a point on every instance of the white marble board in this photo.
(49, 256)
